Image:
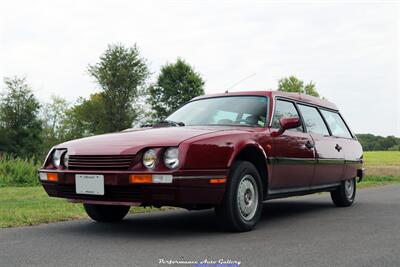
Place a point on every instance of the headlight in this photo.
(150, 158)
(57, 155)
(171, 157)
(66, 159)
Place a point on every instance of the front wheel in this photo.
(242, 205)
(106, 213)
(344, 195)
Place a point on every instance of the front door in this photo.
(293, 154)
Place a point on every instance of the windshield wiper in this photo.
(167, 123)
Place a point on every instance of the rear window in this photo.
(336, 124)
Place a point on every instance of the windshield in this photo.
(229, 110)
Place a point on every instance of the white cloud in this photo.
(349, 50)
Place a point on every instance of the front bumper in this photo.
(185, 189)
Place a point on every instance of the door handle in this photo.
(309, 145)
(338, 148)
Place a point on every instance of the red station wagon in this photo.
(230, 152)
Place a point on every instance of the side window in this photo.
(313, 120)
(336, 124)
(284, 109)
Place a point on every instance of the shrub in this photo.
(18, 172)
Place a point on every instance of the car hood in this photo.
(132, 141)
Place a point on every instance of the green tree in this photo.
(20, 126)
(120, 73)
(293, 84)
(372, 142)
(53, 116)
(87, 117)
(394, 148)
(176, 84)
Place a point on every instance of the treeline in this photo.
(28, 128)
(372, 142)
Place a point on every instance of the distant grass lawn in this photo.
(379, 158)
(382, 163)
(30, 205)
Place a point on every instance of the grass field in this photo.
(382, 163)
(379, 158)
(31, 205)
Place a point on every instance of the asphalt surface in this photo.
(301, 231)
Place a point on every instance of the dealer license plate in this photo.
(89, 184)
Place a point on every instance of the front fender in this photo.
(218, 151)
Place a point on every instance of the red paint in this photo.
(209, 151)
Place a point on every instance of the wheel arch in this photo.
(256, 155)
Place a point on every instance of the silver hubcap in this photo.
(247, 197)
(349, 188)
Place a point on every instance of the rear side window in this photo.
(336, 124)
(313, 120)
(284, 109)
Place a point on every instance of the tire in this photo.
(345, 194)
(241, 207)
(106, 213)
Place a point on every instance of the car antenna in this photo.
(238, 82)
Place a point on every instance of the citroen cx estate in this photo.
(230, 152)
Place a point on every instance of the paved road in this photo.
(304, 231)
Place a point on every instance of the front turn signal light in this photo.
(218, 180)
(150, 179)
(53, 177)
(49, 176)
(141, 179)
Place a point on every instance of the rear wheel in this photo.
(344, 195)
(106, 213)
(242, 205)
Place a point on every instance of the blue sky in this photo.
(349, 49)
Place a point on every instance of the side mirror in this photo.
(287, 123)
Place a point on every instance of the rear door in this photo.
(329, 153)
(293, 154)
(351, 147)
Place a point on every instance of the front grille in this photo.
(113, 162)
(111, 192)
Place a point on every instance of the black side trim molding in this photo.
(357, 161)
(298, 191)
(284, 160)
(331, 161)
(326, 161)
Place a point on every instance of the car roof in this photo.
(272, 94)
